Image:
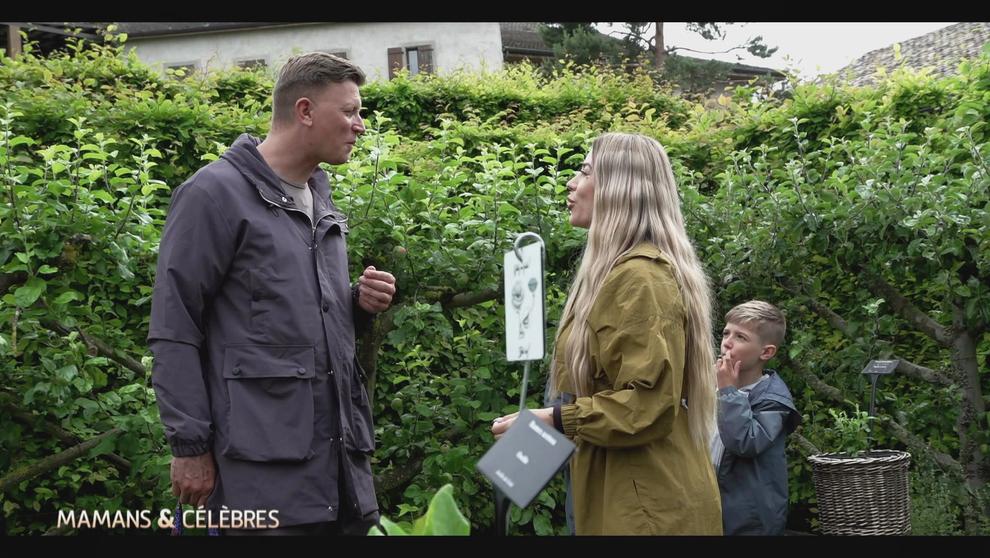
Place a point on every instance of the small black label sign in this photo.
(881, 367)
(526, 458)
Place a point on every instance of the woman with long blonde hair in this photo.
(634, 353)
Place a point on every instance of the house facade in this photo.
(379, 48)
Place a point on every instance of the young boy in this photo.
(755, 415)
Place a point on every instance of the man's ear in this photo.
(303, 111)
(769, 351)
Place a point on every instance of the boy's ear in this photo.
(769, 351)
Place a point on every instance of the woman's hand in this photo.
(501, 425)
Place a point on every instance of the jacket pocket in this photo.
(270, 391)
(362, 431)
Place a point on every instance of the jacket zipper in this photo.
(313, 224)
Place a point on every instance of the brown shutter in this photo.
(396, 61)
(13, 45)
(425, 59)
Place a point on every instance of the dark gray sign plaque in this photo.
(881, 367)
(526, 458)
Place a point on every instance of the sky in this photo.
(810, 49)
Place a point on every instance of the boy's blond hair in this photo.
(769, 321)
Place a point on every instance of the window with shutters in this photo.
(412, 60)
(418, 59)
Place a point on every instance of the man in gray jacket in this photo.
(755, 415)
(253, 323)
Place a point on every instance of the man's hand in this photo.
(728, 370)
(375, 290)
(193, 478)
(501, 425)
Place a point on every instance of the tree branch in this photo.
(672, 49)
(830, 316)
(101, 347)
(400, 477)
(470, 299)
(53, 461)
(818, 306)
(965, 359)
(64, 436)
(372, 340)
(922, 321)
(806, 447)
(913, 370)
(370, 344)
(905, 366)
(946, 462)
(831, 393)
(627, 34)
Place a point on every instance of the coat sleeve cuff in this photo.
(727, 390)
(182, 448)
(569, 420)
(362, 318)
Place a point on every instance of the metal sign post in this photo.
(525, 328)
(874, 370)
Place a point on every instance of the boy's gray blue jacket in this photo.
(252, 330)
(752, 476)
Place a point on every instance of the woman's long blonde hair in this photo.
(636, 201)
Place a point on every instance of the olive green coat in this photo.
(636, 470)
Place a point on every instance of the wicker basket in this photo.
(864, 494)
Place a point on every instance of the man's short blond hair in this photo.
(769, 321)
(303, 75)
